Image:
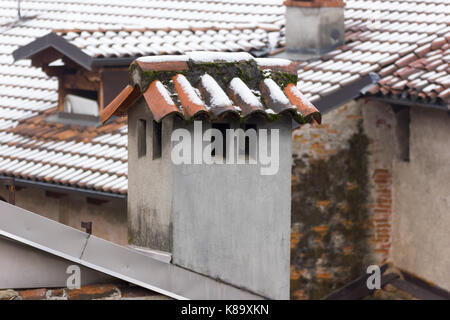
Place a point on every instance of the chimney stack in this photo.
(229, 221)
(314, 27)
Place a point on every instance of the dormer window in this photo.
(86, 84)
(83, 92)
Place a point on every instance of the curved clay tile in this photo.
(275, 98)
(163, 63)
(121, 103)
(159, 101)
(244, 98)
(306, 108)
(191, 103)
(217, 100)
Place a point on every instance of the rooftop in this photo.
(214, 85)
(378, 34)
(381, 37)
(120, 46)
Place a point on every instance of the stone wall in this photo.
(341, 197)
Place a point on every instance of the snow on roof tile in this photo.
(388, 37)
(201, 92)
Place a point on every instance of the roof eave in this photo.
(409, 103)
(345, 94)
(112, 62)
(57, 43)
(66, 189)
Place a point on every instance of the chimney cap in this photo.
(214, 85)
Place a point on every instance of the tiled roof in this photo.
(96, 158)
(153, 41)
(423, 75)
(92, 158)
(92, 14)
(379, 34)
(190, 87)
(89, 47)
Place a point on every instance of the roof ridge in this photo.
(192, 27)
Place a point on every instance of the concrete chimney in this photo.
(226, 221)
(314, 27)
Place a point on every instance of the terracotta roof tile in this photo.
(114, 28)
(243, 87)
(147, 41)
(406, 39)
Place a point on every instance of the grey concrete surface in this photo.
(314, 30)
(225, 221)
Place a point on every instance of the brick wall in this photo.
(381, 210)
(380, 126)
(341, 197)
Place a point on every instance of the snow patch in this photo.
(208, 56)
(296, 92)
(189, 90)
(271, 62)
(240, 88)
(218, 96)
(163, 58)
(163, 91)
(275, 91)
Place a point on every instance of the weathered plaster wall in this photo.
(341, 205)
(108, 219)
(422, 199)
(150, 187)
(232, 223)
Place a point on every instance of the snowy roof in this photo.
(378, 35)
(34, 149)
(407, 43)
(91, 48)
(213, 85)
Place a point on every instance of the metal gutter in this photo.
(61, 188)
(344, 94)
(118, 261)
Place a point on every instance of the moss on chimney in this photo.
(223, 73)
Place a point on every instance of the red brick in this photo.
(92, 292)
(324, 275)
(33, 294)
(384, 171)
